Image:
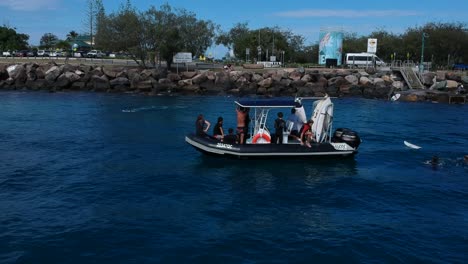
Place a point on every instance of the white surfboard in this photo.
(409, 145)
(322, 116)
(395, 97)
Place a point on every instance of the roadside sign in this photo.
(182, 57)
(372, 45)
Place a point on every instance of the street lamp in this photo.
(421, 65)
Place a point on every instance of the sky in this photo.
(304, 17)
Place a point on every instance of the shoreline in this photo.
(278, 82)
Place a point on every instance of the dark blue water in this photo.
(98, 178)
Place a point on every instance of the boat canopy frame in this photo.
(262, 108)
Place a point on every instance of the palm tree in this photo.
(72, 35)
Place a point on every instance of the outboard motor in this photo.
(347, 136)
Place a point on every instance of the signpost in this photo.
(421, 65)
(372, 45)
(182, 57)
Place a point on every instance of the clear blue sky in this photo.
(305, 17)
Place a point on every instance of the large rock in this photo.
(222, 80)
(100, 83)
(451, 84)
(120, 81)
(3, 73)
(199, 78)
(364, 81)
(146, 85)
(110, 73)
(247, 90)
(440, 75)
(266, 83)
(428, 78)
(352, 79)
(379, 83)
(78, 86)
(307, 78)
(256, 78)
(173, 77)
(208, 87)
(295, 75)
(413, 96)
(165, 84)
(38, 84)
(297, 84)
(18, 73)
(188, 75)
(52, 74)
(453, 76)
(464, 80)
(336, 81)
(153, 73)
(67, 68)
(398, 85)
(65, 79)
(241, 82)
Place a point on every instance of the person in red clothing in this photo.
(306, 133)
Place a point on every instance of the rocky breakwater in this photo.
(278, 82)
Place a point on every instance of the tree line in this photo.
(444, 43)
(162, 32)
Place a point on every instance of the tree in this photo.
(11, 40)
(63, 44)
(48, 40)
(94, 11)
(72, 35)
(165, 31)
(272, 39)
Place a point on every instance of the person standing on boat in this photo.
(293, 118)
(280, 124)
(201, 126)
(218, 131)
(242, 123)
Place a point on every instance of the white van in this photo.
(355, 60)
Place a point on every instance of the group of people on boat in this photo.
(202, 125)
(299, 131)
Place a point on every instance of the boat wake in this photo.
(144, 108)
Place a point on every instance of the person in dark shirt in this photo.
(230, 138)
(280, 125)
(218, 131)
(201, 126)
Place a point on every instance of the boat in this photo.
(343, 142)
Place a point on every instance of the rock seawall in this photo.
(277, 82)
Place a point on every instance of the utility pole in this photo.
(421, 65)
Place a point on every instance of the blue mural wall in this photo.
(330, 46)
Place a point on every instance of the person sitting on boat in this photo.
(293, 118)
(242, 123)
(201, 126)
(218, 132)
(280, 125)
(306, 133)
(230, 138)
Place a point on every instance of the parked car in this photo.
(6, 53)
(43, 53)
(95, 54)
(21, 53)
(32, 53)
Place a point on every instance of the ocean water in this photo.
(102, 178)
